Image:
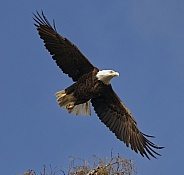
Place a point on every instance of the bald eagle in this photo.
(92, 85)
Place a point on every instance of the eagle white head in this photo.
(106, 75)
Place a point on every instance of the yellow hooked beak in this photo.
(115, 74)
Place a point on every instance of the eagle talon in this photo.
(70, 106)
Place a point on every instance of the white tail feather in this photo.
(65, 100)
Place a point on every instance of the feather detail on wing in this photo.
(67, 56)
(118, 118)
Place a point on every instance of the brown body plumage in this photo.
(92, 85)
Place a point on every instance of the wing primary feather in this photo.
(148, 135)
(40, 19)
(148, 150)
(152, 144)
(47, 22)
(153, 150)
(54, 24)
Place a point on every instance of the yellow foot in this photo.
(70, 106)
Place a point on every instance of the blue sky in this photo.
(142, 40)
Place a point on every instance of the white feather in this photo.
(106, 75)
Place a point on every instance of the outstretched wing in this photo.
(67, 56)
(117, 117)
